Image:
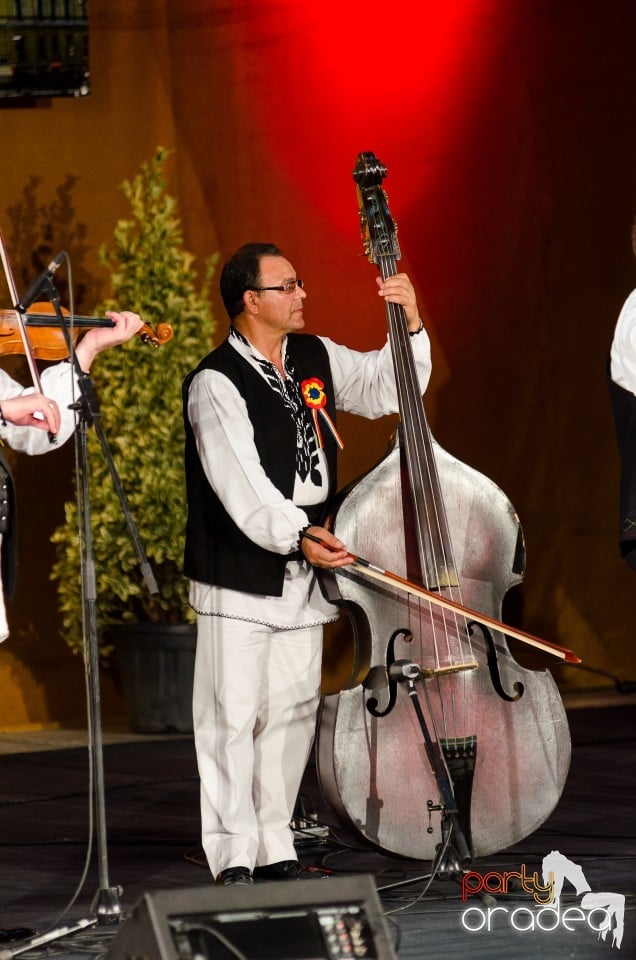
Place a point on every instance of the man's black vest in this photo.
(624, 411)
(216, 550)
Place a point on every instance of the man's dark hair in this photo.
(243, 272)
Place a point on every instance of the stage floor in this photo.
(152, 844)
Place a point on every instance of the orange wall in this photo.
(508, 134)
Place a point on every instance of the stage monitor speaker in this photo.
(300, 920)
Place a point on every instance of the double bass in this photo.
(499, 730)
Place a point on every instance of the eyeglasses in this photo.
(288, 287)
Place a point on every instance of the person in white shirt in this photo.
(261, 444)
(623, 349)
(27, 417)
(622, 387)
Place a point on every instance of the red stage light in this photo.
(333, 79)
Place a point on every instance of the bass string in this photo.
(450, 635)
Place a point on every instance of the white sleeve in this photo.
(623, 351)
(225, 443)
(57, 384)
(364, 383)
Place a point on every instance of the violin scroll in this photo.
(158, 336)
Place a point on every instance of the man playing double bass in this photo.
(260, 459)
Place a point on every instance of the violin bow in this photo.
(368, 569)
(13, 291)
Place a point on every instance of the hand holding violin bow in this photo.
(31, 410)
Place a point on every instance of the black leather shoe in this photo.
(233, 875)
(290, 870)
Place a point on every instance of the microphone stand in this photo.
(454, 851)
(106, 905)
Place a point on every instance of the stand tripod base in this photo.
(106, 906)
(450, 867)
(105, 910)
(46, 938)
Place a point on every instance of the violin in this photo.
(47, 339)
(38, 334)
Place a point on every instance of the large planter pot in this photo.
(155, 663)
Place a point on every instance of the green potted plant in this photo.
(139, 393)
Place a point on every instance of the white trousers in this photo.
(256, 692)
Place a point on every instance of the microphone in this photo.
(34, 290)
(402, 670)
